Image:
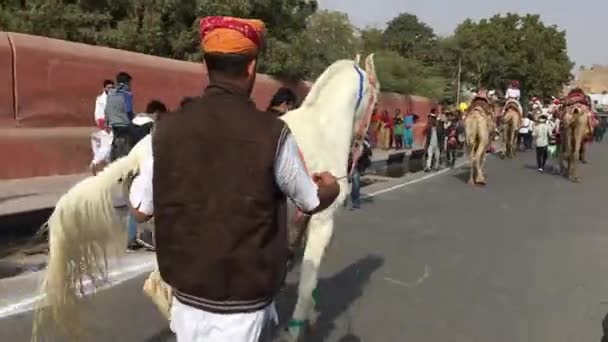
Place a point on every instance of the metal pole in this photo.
(458, 87)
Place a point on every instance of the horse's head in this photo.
(337, 110)
(367, 98)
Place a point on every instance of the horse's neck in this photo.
(324, 135)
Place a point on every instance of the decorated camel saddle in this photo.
(577, 97)
(512, 103)
(482, 101)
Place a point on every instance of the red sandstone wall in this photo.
(56, 83)
(6, 81)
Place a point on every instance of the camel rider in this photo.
(220, 209)
(513, 93)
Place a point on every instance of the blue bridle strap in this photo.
(360, 94)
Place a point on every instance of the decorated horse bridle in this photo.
(363, 123)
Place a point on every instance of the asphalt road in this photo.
(523, 259)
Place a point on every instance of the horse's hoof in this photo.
(574, 179)
(480, 183)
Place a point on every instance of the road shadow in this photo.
(463, 174)
(337, 296)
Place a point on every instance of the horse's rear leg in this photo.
(319, 236)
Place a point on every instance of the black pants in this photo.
(451, 156)
(122, 141)
(541, 156)
(528, 141)
(399, 141)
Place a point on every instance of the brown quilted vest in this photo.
(220, 217)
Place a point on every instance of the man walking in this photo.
(435, 136)
(100, 104)
(220, 210)
(541, 135)
(362, 164)
(118, 115)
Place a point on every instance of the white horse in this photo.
(334, 117)
(85, 230)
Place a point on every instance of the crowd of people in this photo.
(540, 127)
(392, 131)
(443, 134)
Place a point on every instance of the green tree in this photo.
(508, 47)
(411, 38)
(408, 76)
(371, 40)
(329, 37)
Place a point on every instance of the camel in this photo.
(85, 230)
(478, 125)
(575, 124)
(511, 121)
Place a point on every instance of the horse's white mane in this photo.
(326, 77)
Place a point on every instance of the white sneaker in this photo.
(541, 170)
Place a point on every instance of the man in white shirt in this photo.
(541, 134)
(524, 133)
(100, 104)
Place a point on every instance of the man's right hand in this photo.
(329, 189)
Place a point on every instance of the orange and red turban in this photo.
(231, 35)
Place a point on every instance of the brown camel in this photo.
(478, 124)
(575, 125)
(511, 121)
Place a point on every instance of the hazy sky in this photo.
(587, 32)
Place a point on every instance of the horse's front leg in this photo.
(319, 235)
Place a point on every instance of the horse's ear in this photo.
(370, 69)
(358, 59)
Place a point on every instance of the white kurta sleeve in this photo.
(141, 192)
(100, 107)
(293, 179)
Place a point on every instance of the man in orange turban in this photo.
(231, 35)
(222, 173)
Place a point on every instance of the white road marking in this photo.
(116, 277)
(121, 275)
(414, 181)
(420, 280)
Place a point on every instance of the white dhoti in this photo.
(194, 325)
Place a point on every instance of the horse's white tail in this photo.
(84, 230)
